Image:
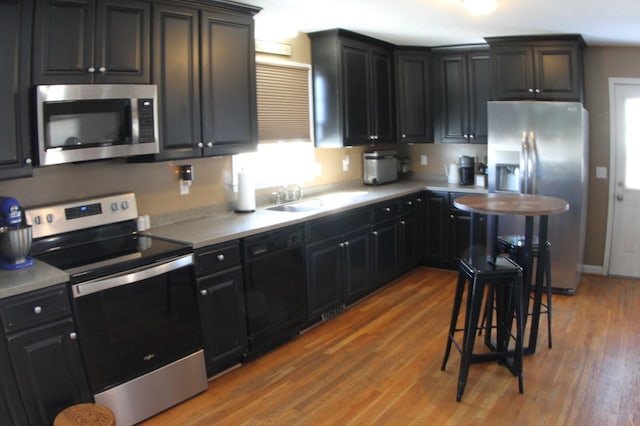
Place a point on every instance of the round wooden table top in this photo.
(512, 204)
(85, 415)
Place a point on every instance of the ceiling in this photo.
(446, 22)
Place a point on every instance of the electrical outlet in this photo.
(601, 172)
(423, 159)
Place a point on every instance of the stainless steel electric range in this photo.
(134, 303)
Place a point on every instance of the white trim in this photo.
(613, 81)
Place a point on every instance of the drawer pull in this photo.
(37, 310)
(73, 335)
(387, 209)
(204, 292)
(221, 257)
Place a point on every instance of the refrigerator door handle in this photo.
(533, 164)
(524, 162)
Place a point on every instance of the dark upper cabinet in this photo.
(204, 66)
(15, 33)
(463, 91)
(88, 41)
(541, 68)
(353, 84)
(413, 96)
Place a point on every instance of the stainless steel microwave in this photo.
(81, 122)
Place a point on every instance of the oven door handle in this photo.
(130, 277)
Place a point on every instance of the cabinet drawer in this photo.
(217, 258)
(385, 210)
(335, 225)
(35, 308)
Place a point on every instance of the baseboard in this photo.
(593, 269)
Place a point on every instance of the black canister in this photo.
(466, 166)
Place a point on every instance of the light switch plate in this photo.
(601, 172)
(423, 159)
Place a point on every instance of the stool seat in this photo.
(504, 280)
(85, 415)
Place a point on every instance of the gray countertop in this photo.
(35, 277)
(222, 227)
(227, 226)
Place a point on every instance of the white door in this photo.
(624, 257)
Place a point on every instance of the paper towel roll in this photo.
(246, 193)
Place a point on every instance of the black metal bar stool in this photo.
(504, 276)
(512, 245)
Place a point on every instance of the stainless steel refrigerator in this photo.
(542, 148)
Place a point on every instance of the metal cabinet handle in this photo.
(346, 243)
(471, 136)
(210, 144)
(403, 223)
(27, 161)
(450, 216)
(387, 209)
(341, 245)
(375, 233)
(37, 310)
(200, 145)
(102, 69)
(73, 335)
(404, 136)
(204, 292)
(530, 90)
(91, 70)
(466, 136)
(537, 90)
(220, 257)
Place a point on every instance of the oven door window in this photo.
(87, 123)
(130, 330)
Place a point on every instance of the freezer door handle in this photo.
(524, 161)
(533, 164)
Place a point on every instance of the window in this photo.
(285, 154)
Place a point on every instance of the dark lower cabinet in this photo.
(222, 305)
(48, 369)
(411, 238)
(384, 243)
(44, 355)
(223, 318)
(11, 409)
(338, 262)
(448, 229)
(15, 33)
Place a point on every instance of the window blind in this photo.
(284, 111)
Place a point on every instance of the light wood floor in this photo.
(379, 363)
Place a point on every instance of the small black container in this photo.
(466, 165)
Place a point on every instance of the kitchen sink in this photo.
(293, 208)
(323, 202)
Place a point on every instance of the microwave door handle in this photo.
(524, 159)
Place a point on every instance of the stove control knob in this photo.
(114, 207)
(124, 205)
(49, 218)
(37, 220)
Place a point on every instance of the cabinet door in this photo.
(324, 276)
(48, 369)
(384, 252)
(223, 319)
(479, 84)
(123, 42)
(408, 255)
(452, 116)
(229, 114)
(437, 224)
(357, 264)
(512, 72)
(15, 33)
(355, 84)
(382, 98)
(176, 62)
(558, 72)
(63, 42)
(413, 98)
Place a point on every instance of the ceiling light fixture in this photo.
(480, 7)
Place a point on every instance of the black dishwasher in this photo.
(275, 288)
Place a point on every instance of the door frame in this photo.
(613, 143)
